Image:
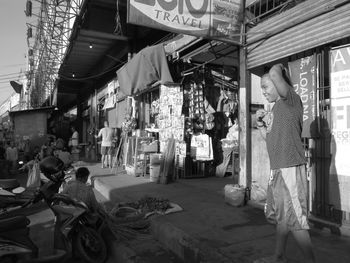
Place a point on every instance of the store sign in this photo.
(303, 77)
(110, 99)
(214, 19)
(340, 99)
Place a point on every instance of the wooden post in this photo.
(244, 121)
(245, 156)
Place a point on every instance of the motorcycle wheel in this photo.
(8, 259)
(90, 246)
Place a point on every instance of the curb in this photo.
(118, 252)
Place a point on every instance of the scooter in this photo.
(15, 243)
(77, 232)
(11, 194)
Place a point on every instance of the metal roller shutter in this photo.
(308, 25)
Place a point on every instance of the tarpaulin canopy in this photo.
(144, 69)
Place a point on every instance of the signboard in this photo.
(303, 78)
(213, 19)
(340, 99)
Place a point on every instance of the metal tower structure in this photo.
(47, 45)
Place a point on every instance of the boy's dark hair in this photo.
(82, 172)
(284, 75)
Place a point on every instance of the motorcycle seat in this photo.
(9, 184)
(15, 222)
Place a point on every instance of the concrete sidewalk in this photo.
(208, 229)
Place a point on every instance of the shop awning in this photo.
(16, 86)
(144, 69)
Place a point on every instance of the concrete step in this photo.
(169, 236)
(208, 229)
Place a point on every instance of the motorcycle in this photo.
(77, 231)
(11, 194)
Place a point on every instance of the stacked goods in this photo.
(149, 204)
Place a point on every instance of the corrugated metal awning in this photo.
(307, 25)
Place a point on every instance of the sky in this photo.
(13, 44)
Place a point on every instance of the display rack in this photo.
(135, 156)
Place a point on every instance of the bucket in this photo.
(154, 173)
(156, 158)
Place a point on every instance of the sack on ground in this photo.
(33, 180)
(257, 193)
(234, 194)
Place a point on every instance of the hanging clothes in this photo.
(145, 68)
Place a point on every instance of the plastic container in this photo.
(154, 173)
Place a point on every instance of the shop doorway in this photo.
(328, 192)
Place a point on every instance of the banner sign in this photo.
(303, 77)
(340, 99)
(213, 19)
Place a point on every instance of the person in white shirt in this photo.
(106, 146)
(74, 140)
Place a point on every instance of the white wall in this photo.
(260, 159)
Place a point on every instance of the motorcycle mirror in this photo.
(18, 190)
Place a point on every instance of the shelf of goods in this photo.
(137, 153)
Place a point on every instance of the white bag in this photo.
(33, 180)
(257, 193)
(234, 194)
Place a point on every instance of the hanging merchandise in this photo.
(209, 121)
(188, 126)
(208, 108)
(209, 115)
(226, 102)
(196, 96)
(130, 119)
(171, 122)
(155, 107)
(201, 147)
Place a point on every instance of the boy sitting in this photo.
(80, 191)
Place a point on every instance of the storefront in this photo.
(312, 39)
(196, 105)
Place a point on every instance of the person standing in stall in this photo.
(286, 204)
(74, 140)
(106, 146)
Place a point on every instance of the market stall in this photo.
(190, 119)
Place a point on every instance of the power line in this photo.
(9, 74)
(4, 82)
(12, 77)
(12, 65)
